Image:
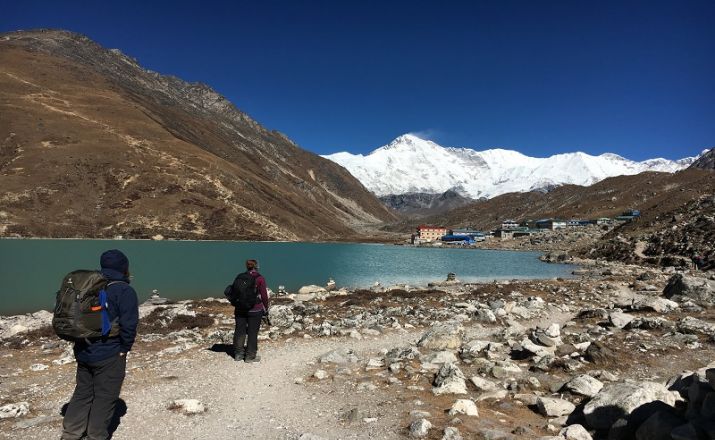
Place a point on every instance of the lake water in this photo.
(31, 270)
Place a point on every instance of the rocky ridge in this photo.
(670, 238)
(706, 161)
(97, 146)
(415, 205)
(410, 164)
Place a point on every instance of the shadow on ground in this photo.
(223, 348)
(119, 411)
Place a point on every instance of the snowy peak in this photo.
(410, 164)
(410, 143)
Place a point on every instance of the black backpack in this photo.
(242, 293)
(81, 307)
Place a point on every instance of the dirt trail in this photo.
(258, 401)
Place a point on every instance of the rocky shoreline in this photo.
(618, 352)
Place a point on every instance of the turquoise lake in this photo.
(31, 270)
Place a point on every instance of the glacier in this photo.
(410, 164)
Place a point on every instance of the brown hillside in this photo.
(92, 145)
(653, 193)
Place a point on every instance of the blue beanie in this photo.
(114, 259)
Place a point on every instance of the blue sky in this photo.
(631, 77)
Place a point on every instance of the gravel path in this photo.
(257, 401)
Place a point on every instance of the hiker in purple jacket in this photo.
(249, 322)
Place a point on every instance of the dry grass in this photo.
(21, 341)
(158, 322)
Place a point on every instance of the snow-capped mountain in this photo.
(410, 164)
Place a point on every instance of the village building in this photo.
(603, 221)
(507, 234)
(574, 223)
(551, 224)
(629, 215)
(465, 231)
(509, 224)
(427, 233)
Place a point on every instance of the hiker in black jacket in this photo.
(101, 363)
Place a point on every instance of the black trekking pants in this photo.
(95, 397)
(247, 324)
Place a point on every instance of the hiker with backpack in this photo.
(99, 312)
(249, 296)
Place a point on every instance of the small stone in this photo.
(420, 428)
(321, 374)
(188, 406)
(553, 407)
(464, 406)
(374, 364)
(493, 395)
(534, 382)
(14, 410)
(575, 432)
(419, 414)
(449, 380)
(64, 360)
(440, 358)
(38, 367)
(527, 399)
(584, 385)
(451, 433)
(550, 336)
(442, 336)
(482, 384)
(619, 319)
(504, 369)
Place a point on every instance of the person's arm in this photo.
(261, 285)
(128, 318)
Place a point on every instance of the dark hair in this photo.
(251, 264)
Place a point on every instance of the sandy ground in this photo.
(260, 401)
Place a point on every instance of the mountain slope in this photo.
(706, 161)
(410, 164)
(93, 145)
(417, 205)
(653, 193)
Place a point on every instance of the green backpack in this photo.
(81, 307)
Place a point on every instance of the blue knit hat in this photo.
(114, 259)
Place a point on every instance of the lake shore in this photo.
(190, 270)
(388, 363)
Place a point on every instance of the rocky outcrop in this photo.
(705, 161)
(621, 400)
(684, 287)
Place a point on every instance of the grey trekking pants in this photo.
(95, 397)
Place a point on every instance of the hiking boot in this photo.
(253, 359)
(239, 356)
